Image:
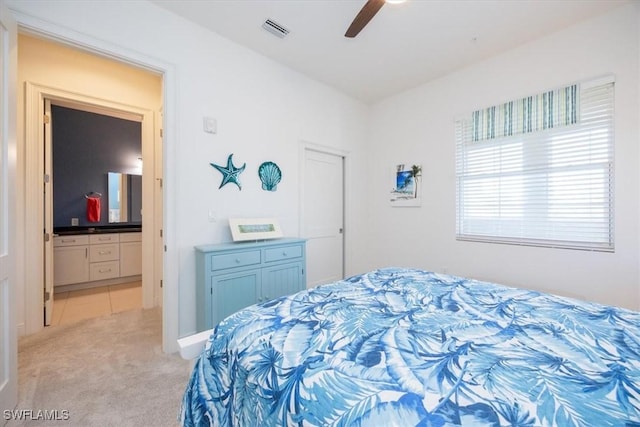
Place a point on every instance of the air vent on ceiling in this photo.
(275, 28)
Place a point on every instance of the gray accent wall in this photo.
(85, 147)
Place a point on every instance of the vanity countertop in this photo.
(100, 229)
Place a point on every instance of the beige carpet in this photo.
(108, 371)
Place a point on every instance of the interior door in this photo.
(323, 214)
(48, 217)
(8, 109)
(158, 245)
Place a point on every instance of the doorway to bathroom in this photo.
(70, 77)
(93, 210)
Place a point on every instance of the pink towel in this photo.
(93, 209)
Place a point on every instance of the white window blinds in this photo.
(539, 170)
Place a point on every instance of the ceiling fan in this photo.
(368, 11)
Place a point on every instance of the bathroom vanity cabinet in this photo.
(85, 258)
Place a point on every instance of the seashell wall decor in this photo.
(270, 175)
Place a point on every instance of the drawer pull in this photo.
(284, 254)
(104, 252)
(104, 270)
(68, 240)
(237, 260)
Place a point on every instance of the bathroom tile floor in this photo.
(72, 306)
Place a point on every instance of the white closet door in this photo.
(324, 216)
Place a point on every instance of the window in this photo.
(539, 170)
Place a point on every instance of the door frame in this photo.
(171, 261)
(347, 188)
(9, 220)
(35, 96)
(48, 214)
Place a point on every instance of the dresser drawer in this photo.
(108, 252)
(282, 253)
(237, 259)
(131, 237)
(97, 239)
(104, 270)
(78, 240)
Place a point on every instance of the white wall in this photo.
(263, 110)
(418, 125)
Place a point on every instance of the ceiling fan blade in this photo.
(363, 17)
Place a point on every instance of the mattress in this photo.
(406, 347)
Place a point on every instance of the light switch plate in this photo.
(210, 125)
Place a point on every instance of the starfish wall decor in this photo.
(230, 173)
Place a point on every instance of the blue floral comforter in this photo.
(402, 347)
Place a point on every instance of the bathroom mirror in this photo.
(125, 197)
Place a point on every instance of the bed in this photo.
(405, 347)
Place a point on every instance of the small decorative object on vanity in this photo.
(270, 175)
(230, 173)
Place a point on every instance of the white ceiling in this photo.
(403, 46)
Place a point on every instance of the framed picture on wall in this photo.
(407, 188)
(243, 229)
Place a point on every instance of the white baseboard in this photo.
(95, 284)
(192, 345)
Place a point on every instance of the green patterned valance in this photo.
(530, 114)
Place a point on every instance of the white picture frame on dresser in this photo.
(245, 229)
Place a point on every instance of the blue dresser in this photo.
(231, 276)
